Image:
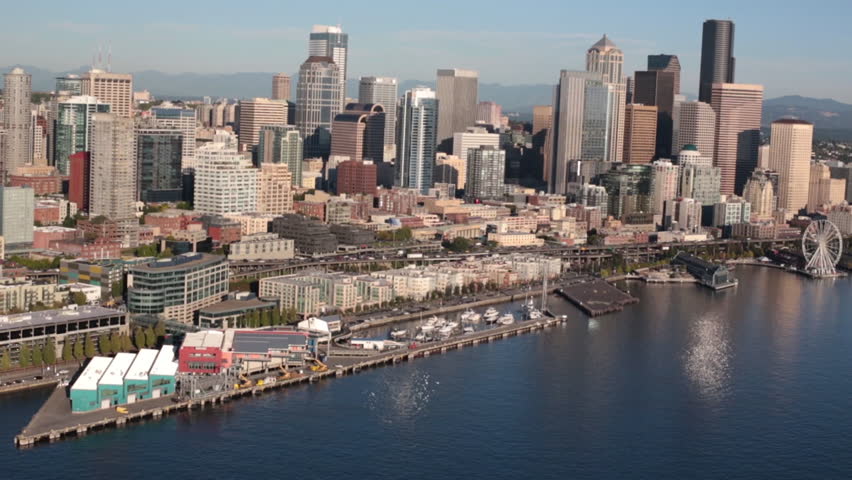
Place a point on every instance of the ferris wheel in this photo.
(822, 246)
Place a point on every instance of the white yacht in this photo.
(469, 329)
(398, 333)
(491, 315)
(506, 319)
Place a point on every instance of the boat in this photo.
(491, 315)
(506, 319)
(445, 332)
(398, 333)
(427, 328)
(469, 329)
(467, 314)
(421, 337)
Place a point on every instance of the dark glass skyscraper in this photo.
(158, 156)
(656, 88)
(666, 63)
(717, 56)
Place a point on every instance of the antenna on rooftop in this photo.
(109, 58)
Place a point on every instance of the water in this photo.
(752, 382)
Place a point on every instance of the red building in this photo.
(169, 222)
(78, 180)
(41, 184)
(43, 237)
(91, 250)
(201, 352)
(356, 177)
(310, 209)
(47, 214)
(225, 232)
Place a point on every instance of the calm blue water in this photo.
(749, 383)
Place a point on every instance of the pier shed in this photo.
(111, 384)
(84, 392)
(137, 385)
(162, 374)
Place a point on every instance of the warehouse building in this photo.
(137, 385)
(111, 384)
(84, 392)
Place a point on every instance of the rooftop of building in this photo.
(604, 44)
(179, 262)
(117, 369)
(141, 364)
(88, 380)
(48, 317)
(791, 121)
(235, 306)
(204, 339)
(265, 341)
(165, 364)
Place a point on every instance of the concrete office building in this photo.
(457, 94)
(159, 153)
(606, 58)
(485, 173)
(115, 89)
(790, 156)
(69, 85)
(310, 236)
(682, 214)
(274, 190)
(664, 184)
(489, 113)
(319, 98)
(382, 91)
(225, 181)
(16, 216)
(656, 87)
(355, 177)
(183, 119)
(666, 63)
(359, 132)
(112, 177)
(731, 211)
(738, 110)
(717, 57)
(759, 191)
(281, 86)
(330, 41)
(824, 191)
(282, 144)
(695, 124)
(256, 113)
(542, 118)
(640, 133)
(417, 139)
(473, 137)
(262, 246)
(73, 128)
(177, 287)
(17, 148)
(628, 188)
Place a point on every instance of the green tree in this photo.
(167, 253)
(105, 345)
(38, 356)
(5, 360)
(139, 338)
(50, 351)
(150, 338)
(149, 250)
(67, 351)
(265, 321)
(117, 289)
(160, 329)
(25, 356)
(116, 342)
(89, 346)
(275, 317)
(69, 222)
(183, 206)
(79, 298)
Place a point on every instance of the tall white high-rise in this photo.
(18, 144)
(606, 58)
(486, 167)
(457, 93)
(384, 91)
(417, 139)
(664, 184)
(225, 181)
(790, 156)
(473, 137)
(256, 113)
(330, 41)
(695, 124)
(112, 177)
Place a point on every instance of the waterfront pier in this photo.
(595, 296)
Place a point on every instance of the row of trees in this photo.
(268, 318)
(82, 349)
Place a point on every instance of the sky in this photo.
(802, 48)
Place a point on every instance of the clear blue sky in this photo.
(802, 49)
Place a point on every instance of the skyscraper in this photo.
(489, 113)
(73, 128)
(738, 110)
(16, 215)
(717, 57)
(256, 113)
(69, 85)
(330, 41)
(381, 90)
(473, 137)
(696, 125)
(664, 184)
(158, 158)
(225, 181)
(606, 58)
(417, 139)
(790, 156)
(457, 92)
(274, 189)
(486, 167)
(116, 89)
(282, 144)
(656, 87)
(359, 132)
(319, 98)
(112, 191)
(183, 119)
(760, 193)
(281, 86)
(18, 144)
(542, 118)
(666, 63)
(640, 133)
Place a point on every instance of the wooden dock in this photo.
(54, 421)
(596, 297)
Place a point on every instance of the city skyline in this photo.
(536, 46)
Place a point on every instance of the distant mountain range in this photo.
(829, 116)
